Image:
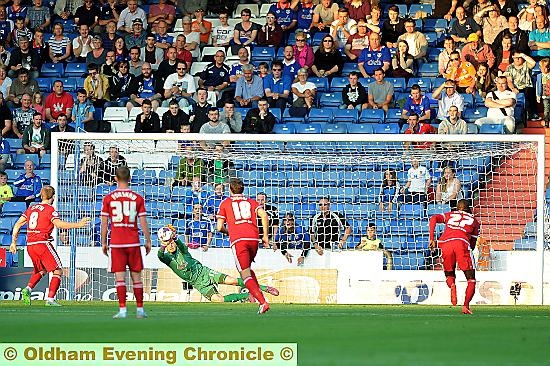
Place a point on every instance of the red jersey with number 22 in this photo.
(123, 207)
(40, 219)
(240, 214)
(459, 225)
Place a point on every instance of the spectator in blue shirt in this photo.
(213, 201)
(374, 56)
(290, 64)
(277, 86)
(290, 236)
(286, 17)
(198, 231)
(4, 153)
(28, 185)
(249, 89)
(418, 104)
(304, 14)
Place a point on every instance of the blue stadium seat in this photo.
(254, 177)
(345, 115)
(424, 8)
(433, 53)
(403, 10)
(305, 209)
(471, 114)
(428, 70)
(411, 211)
(20, 159)
(361, 128)
(69, 84)
(44, 174)
(320, 83)
(472, 129)
(394, 242)
(372, 116)
(393, 115)
(359, 210)
(13, 208)
(144, 176)
(338, 83)
(479, 101)
(432, 38)
(277, 178)
(387, 128)
(15, 144)
(330, 99)
(179, 194)
(355, 178)
(261, 53)
(425, 84)
(287, 195)
(52, 70)
(368, 195)
(492, 129)
(309, 128)
(76, 69)
(468, 100)
(349, 67)
(320, 115)
(433, 25)
(399, 84)
(157, 192)
(340, 128)
(530, 230)
(411, 261)
(437, 209)
(287, 118)
(284, 128)
(525, 244)
(342, 194)
(277, 114)
(400, 227)
(318, 38)
(45, 84)
(328, 178)
(6, 224)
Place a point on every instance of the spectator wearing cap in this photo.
(448, 99)
(476, 52)
(214, 126)
(249, 88)
(292, 236)
(138, 35)
(128, 15)
(201, 26)
(463, 26)
(161, 11)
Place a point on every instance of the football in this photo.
(165, 234)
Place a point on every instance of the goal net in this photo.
(324, 192)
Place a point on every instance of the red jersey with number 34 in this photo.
(459, 225)
(240, 214)
(40, 219)
(123, 207)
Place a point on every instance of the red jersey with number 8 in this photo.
(40, 219)
(459, 225)
(123, 207)
(240, 214)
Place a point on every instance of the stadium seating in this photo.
(361, 128)
(340, 128)
(345, 115)
(320, 115)
(372, 116)
(492, 129)
(338, 83)
(45, 84)
(13, 209)
(309, 128)
(320, 83)
(428, 70)
(333, 99)
(76, 69)
(52, 70)
(525, 244)
(284, 128)
(266, 54)
(20, 159)
(386, 128)
(399, 84)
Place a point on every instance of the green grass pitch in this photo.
(326, 335)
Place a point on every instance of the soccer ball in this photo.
(165, 234)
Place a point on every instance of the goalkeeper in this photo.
(174, 253)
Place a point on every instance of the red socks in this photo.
(252, 285)
(450, 281)
(121, 293)
(138, 293)
(54, 285)
(35, 278)
(470, 291)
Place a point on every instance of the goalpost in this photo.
(502, 176)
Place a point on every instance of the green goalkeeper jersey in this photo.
(182, 263)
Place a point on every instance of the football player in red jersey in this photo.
(241, 214)
(456, 243)
(41, 219)
(123, 207)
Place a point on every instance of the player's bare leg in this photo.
(470, 290)
(253, 287)
(230, 280)
(120, 278)
(450, 279)
(26, 292)
(54, 286)
(138, 294)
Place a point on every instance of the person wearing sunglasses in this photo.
(328, 59)
(463, 73)
(179, 86)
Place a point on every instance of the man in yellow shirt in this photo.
(5, 190)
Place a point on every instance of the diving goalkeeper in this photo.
(174, 253)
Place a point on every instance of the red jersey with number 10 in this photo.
(40, 219)
(459, 225)
(240, 214)
(123, 207)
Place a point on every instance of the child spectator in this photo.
(20, 31)
(389, 191)
(543, 88)
(83, 111)
(371, 242)
(5, 190)
(263, 69)
(38, 104)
